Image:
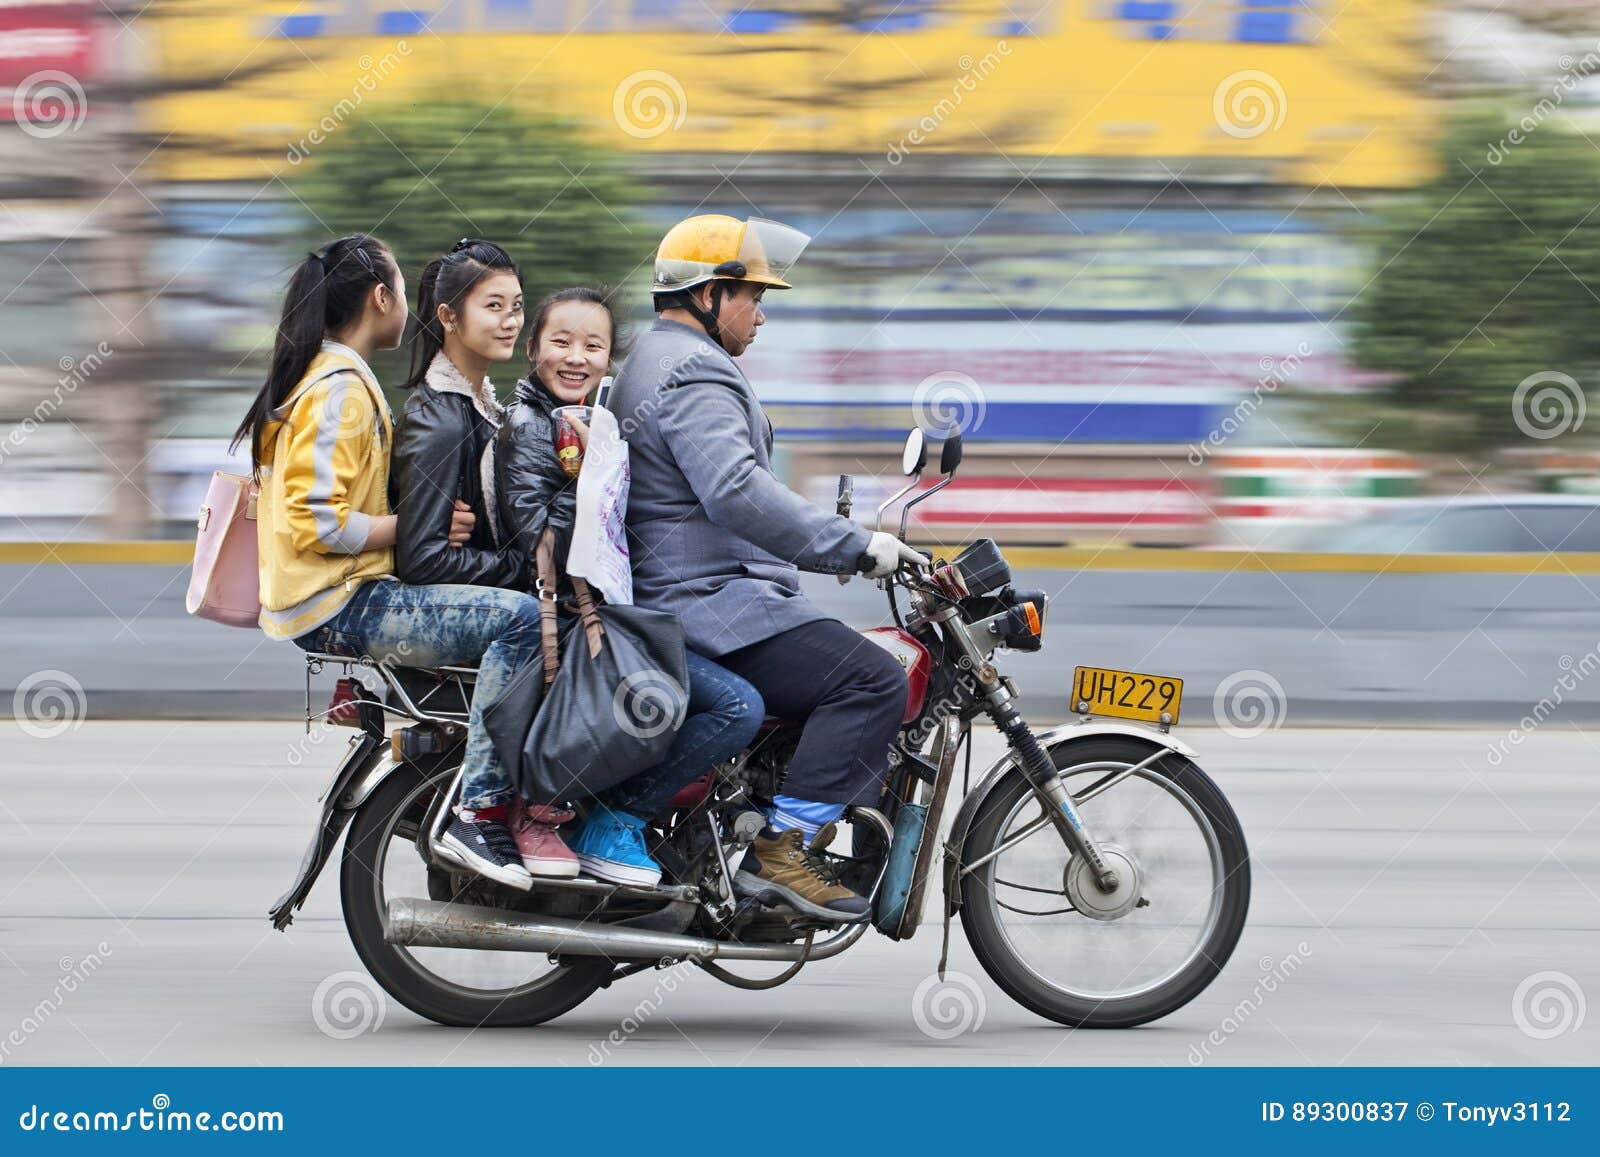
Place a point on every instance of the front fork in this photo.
(1052, 792)
(1031, 758)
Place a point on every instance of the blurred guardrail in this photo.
(172, 553)
(1488, 641)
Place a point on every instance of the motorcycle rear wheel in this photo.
(382, 837)
(1065, 970)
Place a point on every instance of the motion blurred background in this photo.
(1213, 276)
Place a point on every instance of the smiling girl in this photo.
(570, 348)
(469, 316)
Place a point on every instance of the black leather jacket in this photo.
(533, 490)
(439, 449)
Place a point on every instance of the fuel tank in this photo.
(913, 657)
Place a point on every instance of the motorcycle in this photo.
(1100, 876)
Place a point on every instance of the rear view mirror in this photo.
(915, 456)
(950, 456)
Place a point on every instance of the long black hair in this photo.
(446, 280)
(327, 291)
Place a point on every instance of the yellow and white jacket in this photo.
(324, 478)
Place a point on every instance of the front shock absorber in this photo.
(1047, 782)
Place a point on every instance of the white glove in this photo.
(886, 553)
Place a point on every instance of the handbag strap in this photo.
(545, 587)
(592, 628)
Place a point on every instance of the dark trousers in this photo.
(849, 692)
(724, 715)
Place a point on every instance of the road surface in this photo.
(1438, 907)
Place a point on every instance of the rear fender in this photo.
(364, 766)
(1053, 740)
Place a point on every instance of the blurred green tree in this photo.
(422, 175)
(1482, 278)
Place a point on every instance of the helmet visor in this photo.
(769, 249)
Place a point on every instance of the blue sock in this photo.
(807, 815)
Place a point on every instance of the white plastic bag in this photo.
(599, 536)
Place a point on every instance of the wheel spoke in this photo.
(1030, 888)
(1030, 912)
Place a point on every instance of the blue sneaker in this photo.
(611, 848)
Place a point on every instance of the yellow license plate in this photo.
(1126, 694)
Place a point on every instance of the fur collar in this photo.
(443, 377)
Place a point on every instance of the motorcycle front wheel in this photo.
(1175, 841)
(453, 986)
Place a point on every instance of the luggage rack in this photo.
(412, 705)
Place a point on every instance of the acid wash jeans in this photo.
(444, 625)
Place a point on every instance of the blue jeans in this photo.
(438, 626)
(725, 713)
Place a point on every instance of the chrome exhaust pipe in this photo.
(414, 923)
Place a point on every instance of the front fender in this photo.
(1056, 737)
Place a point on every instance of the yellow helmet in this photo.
(713, 247)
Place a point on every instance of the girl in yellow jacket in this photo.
(320, 434)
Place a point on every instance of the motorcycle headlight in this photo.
(1022, 627)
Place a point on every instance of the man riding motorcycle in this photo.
(718, 540)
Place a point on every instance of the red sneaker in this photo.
(533, 826)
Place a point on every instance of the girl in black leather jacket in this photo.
(569, 351)
(469, 315)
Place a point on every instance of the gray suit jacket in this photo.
(715, 538)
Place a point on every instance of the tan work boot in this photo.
(782, 868)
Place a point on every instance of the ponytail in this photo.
(327, 291)
(446, 280)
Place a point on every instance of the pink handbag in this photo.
(225, 586)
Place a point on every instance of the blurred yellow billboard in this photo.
(1300, 91)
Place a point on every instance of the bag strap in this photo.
(304, 388)
(592, 628)
(545, 587)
